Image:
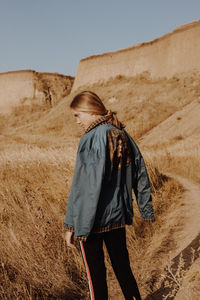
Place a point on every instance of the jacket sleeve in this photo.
(68, 223)
(85, 191)
(141, 183)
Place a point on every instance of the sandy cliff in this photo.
(175, 52)
(27, 85)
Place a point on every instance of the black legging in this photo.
(93, 256)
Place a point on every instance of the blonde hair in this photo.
(89, 102)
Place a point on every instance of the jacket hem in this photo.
(97, 230)
(108, 228)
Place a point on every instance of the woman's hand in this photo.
(69, 238)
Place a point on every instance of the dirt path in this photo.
(190, 213)
(187, 239)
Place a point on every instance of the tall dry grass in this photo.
(184, 159)
(33, 189)
(34, 184)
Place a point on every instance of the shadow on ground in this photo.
(173, 274)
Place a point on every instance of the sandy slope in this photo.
(181, 124)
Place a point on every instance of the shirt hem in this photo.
(97, 230)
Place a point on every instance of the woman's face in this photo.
(84, 119)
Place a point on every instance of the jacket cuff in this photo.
(71, 229)
(147, 216)
(147, 212)
(68, 228)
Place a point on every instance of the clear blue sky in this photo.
(54, 35)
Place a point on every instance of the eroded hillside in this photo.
(172, 53)
(29, 86)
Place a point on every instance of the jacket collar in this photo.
(100, 121)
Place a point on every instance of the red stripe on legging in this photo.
(88, 272)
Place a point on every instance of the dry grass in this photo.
(34, 187)
(184, 160)
(190, 288)
(37, 155)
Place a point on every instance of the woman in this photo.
(108, 166)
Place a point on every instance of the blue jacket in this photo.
(108, 166)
